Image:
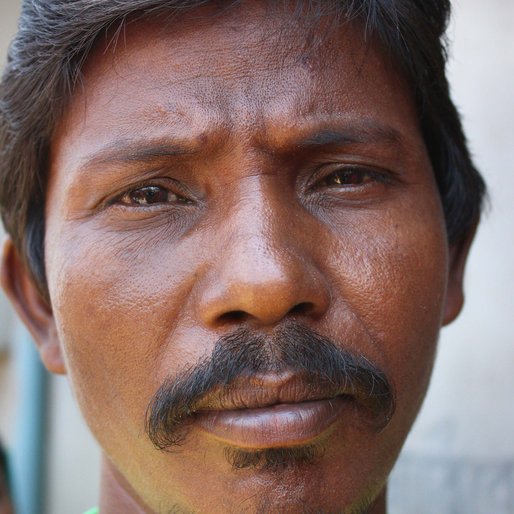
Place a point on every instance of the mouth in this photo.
(271, 411)
(283, 424)
(254, 401)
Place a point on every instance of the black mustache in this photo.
(292, 348)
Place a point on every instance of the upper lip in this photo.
(266, 390)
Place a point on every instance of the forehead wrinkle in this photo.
(269, 38)
(239, 89)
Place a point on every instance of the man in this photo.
(238, 227)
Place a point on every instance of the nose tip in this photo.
(262, 294)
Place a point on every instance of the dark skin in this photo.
(193, 192)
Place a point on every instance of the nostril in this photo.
(302, 308)
(239, 316)
(233, 317)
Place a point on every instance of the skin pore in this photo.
(238, 171)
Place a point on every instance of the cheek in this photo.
(118, 304)
(391, 275)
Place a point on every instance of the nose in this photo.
(264, 270)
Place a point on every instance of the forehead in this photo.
(246, 70)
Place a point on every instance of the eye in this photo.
(151, 195)
(351, 176)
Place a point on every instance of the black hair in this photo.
(55, 36)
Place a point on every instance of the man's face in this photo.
(241, 175)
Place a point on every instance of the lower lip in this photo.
(275, 426)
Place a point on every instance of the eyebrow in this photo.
(366, 134)
(135, 151)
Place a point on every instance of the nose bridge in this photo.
(258, 223)
(264, 269)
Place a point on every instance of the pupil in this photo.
(348, 177)
(149, 195)
(354, 178)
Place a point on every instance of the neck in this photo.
(116, 494)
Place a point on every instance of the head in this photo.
(238, 227)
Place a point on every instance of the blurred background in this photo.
(459, 458)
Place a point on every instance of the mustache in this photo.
(324, 368)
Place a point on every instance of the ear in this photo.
(32, 308)
(455, 292)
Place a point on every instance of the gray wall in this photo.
(459, 459)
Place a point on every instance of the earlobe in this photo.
(455, 292)
(31, 307)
